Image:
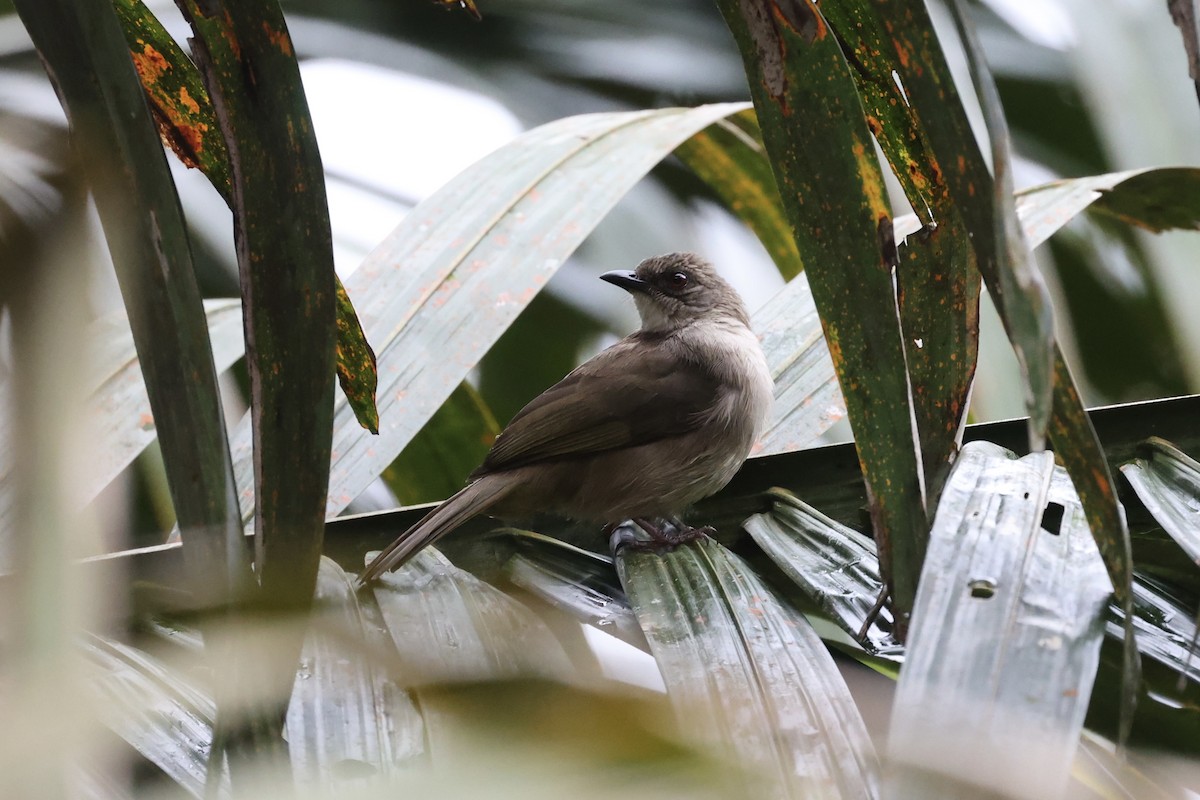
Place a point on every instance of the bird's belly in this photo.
(660, 479)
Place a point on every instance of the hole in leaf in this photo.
(1052, 518)
(982, 588)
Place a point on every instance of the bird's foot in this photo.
(664, 534)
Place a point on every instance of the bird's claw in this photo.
(666, 536)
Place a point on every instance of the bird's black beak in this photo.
(627, 280)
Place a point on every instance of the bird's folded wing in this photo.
(618, 399)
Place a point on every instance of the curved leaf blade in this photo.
(834, 565)
(453, 259)
(348, 723)
(1157, 199)
(449, 626)
(1014, 282)
(1167, 481)
(808, 399)
(116, 146)
(579, 582)
(156, 710)
(746, 673)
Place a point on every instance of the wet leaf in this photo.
(1006, 633)
(1167, 481)
(449, 626)
(747, 675)
(834, 565)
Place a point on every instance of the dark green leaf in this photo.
(914, 110)
(829, 178)
(187, 123)
(288, 286)
(286, 263)
(1006, 633)
(117, 146)
(746, 674)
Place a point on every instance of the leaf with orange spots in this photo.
(816, 136)
(914, 111)
(188, 125)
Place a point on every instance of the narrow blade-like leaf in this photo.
(448, 626)
(1167, 481)
(117, 146)
(914, 111)
(579, 582)
(187, 123)
(1158, 199)
(832, 188)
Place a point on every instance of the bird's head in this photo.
(673, 290)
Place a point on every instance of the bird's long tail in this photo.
(475, 499)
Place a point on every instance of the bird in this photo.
(641, 431)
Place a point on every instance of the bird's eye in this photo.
(677, 280)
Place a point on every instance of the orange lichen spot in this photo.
(280, 39)
(187, 101)
(150, 64)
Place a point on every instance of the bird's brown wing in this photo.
(606, 404)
